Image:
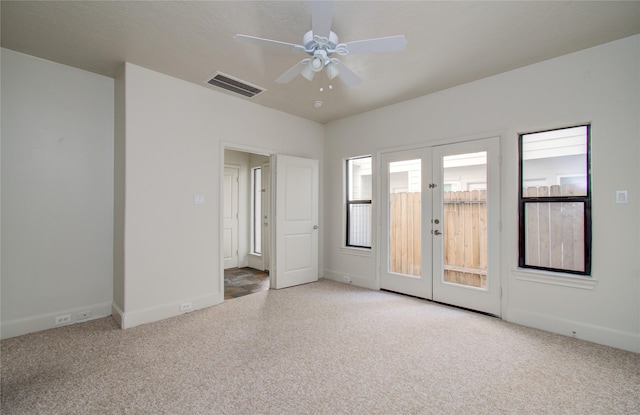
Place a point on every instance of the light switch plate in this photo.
(198, 199)
(622, 196)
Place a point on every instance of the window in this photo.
(256, 210)
(358, 185)
(555, 200)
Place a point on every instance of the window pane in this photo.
(554, 235)
(554, 163)
(359, 191)
(257, 210)
(405, 217)
(360, 178)
(360, 224)
(464, 239)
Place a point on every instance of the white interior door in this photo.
(230, 215)
(440, 210)
(296, 220)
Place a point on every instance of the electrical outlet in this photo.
(346, 279)
(186, 307)
(83, 315)
(63, 319)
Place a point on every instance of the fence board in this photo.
(543, 228)
(554, 231)
(532, 227)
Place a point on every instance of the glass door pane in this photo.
(405, 220)
(465, 219)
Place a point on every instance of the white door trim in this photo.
(233, 260)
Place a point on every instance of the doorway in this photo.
(287, 247)
(246, 220)
(440, 224)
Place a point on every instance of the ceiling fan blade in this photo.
(383, 44)
(293, 72)
(321, 16)
(347, 75)
(258, 41)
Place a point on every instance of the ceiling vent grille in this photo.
(228, 82)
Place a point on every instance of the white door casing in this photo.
(230, 216)
(296, 221)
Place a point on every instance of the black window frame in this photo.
(353, 202)
(585, 199)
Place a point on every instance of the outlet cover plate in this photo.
(66, 319)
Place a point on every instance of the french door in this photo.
(440, 223)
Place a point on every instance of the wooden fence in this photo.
(554, 231)
(554, 234)
(464, 236)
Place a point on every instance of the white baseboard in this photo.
(18, 327)
(255, 262)
(619, 339)
(358, 280)
(134, 318)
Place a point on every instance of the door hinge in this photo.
(500, 226)
(500, 160)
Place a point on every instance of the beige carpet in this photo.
(322, 348)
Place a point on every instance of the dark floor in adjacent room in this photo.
(242, 281)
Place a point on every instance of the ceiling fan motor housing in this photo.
(312, 43)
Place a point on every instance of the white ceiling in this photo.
(449, 43)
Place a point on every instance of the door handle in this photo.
(315, 227)
(437, 232)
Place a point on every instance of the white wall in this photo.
(174, 135)
(599, 85)
(57, 193)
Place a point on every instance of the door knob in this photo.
(315, 226)
(437, 232)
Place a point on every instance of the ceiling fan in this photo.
(321, 44)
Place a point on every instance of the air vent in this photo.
(232, 84)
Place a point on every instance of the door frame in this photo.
(246, 149)
(502, 204)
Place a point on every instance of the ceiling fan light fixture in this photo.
(316, 64)
(320, 43)
(307, 72)
(332, 71)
